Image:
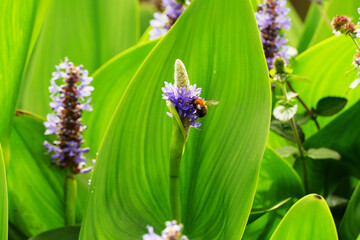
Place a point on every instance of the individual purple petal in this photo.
(51, 124)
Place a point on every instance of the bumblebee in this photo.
(201, 106)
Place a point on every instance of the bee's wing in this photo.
(212, 103)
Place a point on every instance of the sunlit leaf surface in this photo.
(88, 32)
(309, 218)
(130, 184)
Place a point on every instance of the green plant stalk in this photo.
(298, 141)
(356, 44)
(177, 147)
(70, 198)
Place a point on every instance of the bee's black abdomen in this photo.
(202, 112)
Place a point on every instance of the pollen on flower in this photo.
(271, 18)
(162, 22)
(68, 102)
(171, 232)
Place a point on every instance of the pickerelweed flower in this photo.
(162, 22)
(271, 18)
(171, 232)
(182, 96)
(68, 102)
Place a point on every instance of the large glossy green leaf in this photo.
(3, 199)
(36, 195)
(88, 32)
(327, 78)
(110, 82)
(277, 183)
(333, 8)
(19, 24)
(221, 162)
(309, 218)
(350, 224)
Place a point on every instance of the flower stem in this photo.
(304, 105)
(298, 141)
(177, 146)
(70, 198)
(357, 45)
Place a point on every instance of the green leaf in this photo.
(312, 20)
(350, 224)
(19, 25)
(309, 218)
(263, 226)
(323, 153)
(107, 95)
(284, 129)
(68, 233)
(329, 106)
(287, 151)
(36, 202)
(277, 182)
(15, 234)
(296, 26)
(328, 78)
(135, 151)
(146, 14)
(333, 8)
(97, 32)
(345, 142)
(3, 199)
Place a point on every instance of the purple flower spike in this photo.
(271, 18)
(68, 102)
(162, 22)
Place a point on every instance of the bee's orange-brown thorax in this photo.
(199, 101)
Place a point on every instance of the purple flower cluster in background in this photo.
(68, 102)
(271, 18)
(171, 232)
(162, 22)
(181, 98)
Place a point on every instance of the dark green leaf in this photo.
(350, 224)
(284, 129)
(341, 135)
(263, 226)
(198, 39)
(15, 234)
(68, 233)
(329, 106)
(278, 182)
